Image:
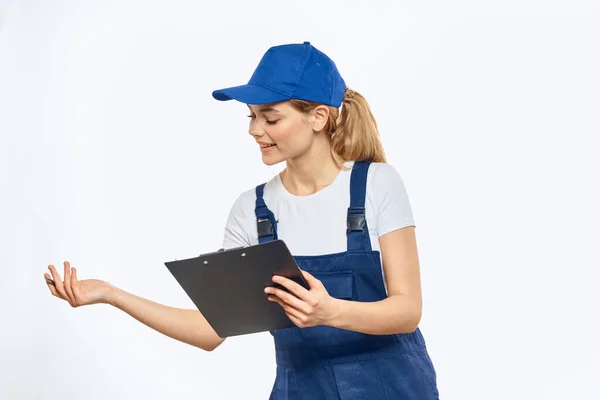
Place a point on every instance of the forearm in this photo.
(395, 314)
(188, 326)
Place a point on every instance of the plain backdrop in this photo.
(115, 157)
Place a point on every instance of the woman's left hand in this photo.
(305, 308)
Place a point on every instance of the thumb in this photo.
(311, 280)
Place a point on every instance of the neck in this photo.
(307, 174)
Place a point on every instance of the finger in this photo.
(298, 322)
(289, 299)
(67, 283)
(286, 307)
(74, 285)
(311, 280)
(293, 287)
(275, 299)
(58, 284)
(51, 287)
(48, 279)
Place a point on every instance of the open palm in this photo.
(77, 293)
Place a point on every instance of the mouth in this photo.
(266, 147)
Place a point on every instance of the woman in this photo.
(345, 215)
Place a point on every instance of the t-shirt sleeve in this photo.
(392, 203)
(235, 235)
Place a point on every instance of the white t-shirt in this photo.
(316, 224)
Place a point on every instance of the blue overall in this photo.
(328, 363)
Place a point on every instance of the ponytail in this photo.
(354, 134)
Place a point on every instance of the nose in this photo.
(255, 131)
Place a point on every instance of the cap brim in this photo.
(249, 94)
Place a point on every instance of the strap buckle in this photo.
(264, 227)
(356, 220)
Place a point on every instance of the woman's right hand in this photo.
(77, 293)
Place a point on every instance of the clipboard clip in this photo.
(221, 250)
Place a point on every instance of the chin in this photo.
(272, 161)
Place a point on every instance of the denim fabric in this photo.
(328, 363)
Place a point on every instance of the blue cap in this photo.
(291, 71)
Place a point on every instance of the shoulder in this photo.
(244, 204)
(382, 171)
(240, 228)
(387, 194)
(383, 176)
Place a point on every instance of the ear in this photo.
(321, 115)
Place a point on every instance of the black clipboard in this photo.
(227, 286)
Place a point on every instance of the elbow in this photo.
(409, 322)
(410, 328)
(210, 345)
(207, 347)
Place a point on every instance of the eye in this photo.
(267, 121)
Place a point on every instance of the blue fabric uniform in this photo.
(329, 363)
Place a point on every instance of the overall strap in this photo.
(357, 231)
(265, 220)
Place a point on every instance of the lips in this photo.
(265, 145)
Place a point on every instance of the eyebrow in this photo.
(266, 109)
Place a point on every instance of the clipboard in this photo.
(227, 286)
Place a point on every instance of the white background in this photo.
(114, 156)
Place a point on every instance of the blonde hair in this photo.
(353, 131)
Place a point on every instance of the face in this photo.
(282, 132)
